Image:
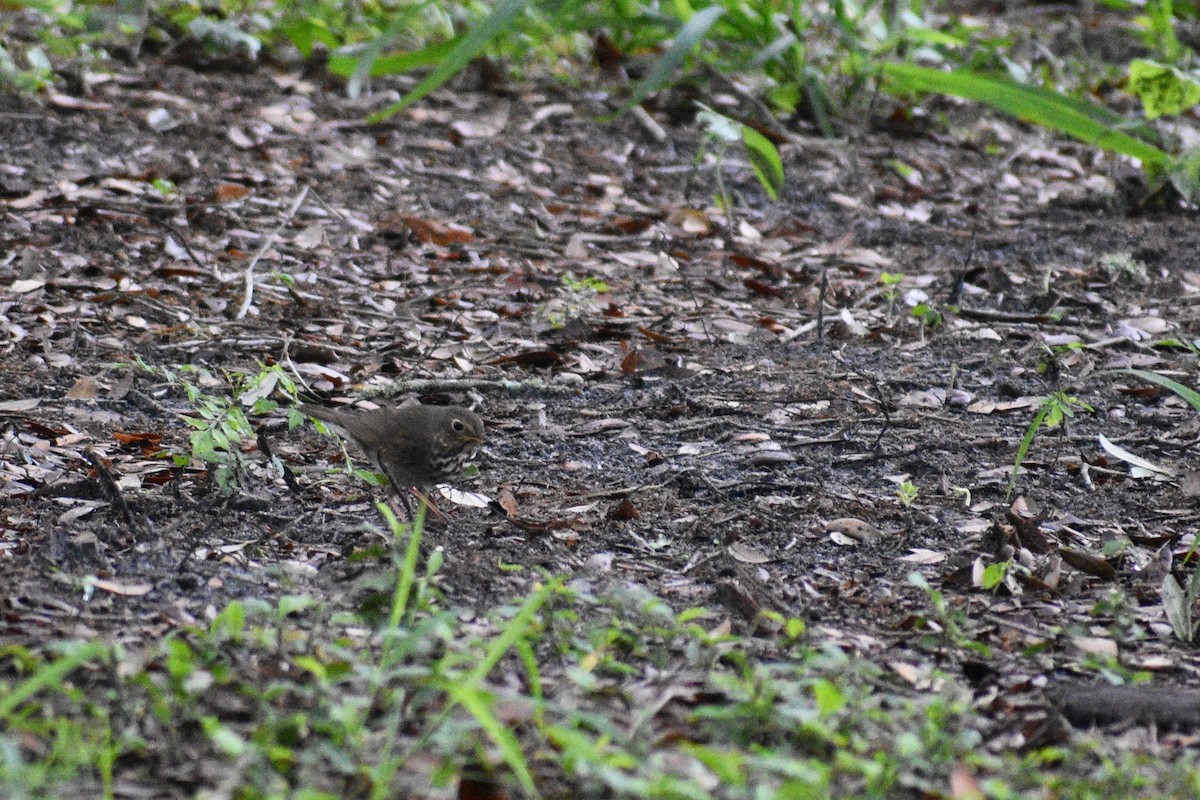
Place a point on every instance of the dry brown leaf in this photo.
(84, 388)
(747, 554)
(439, 233)
(849, 530)
(228, 192)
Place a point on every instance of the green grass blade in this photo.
(48, 676)
(1026, 442)
(689, 35)
(513, 632)
(479, 705)
(1043, 108)
(502, 17)
(1190, 395)
(345, 65)
(408, 567)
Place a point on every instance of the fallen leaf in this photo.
(624, 511)
(854, 530)
(439, 233)
(124, 589)
(26, 286)
(84, 388)
(920, 555)
(17, 406)
(747, 554)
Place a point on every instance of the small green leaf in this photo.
(1162, 89)
(292, 603)
(994, 574)
(718, 126)
(829, 697)
(764, 159)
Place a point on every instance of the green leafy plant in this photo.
(951, 622)
(721, 132)
(220, 423)
(889, 281)
(36, 76)
(1054, 410)
(39, 704)
(576, 298)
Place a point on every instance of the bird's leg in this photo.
(401, 492)
(430, 507)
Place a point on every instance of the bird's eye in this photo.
(457, 425)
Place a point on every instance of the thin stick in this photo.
(110, 486)
(248, 298)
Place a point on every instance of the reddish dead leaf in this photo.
(629, 364)
(1147, 394)
(508, 501)
(630, 226)
(771, 324)
(159, 478)
(45, 431)
(607, 53)
(655, 336)
(479, 787)
(1085, 562)
(765, 289)
(149, 443)
(439, 233)
(228, 192)
(534, 359)
(624, 511)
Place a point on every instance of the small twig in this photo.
(956, 290)
(109, 484)
(821, 305)
(419, 385)
(264, 445)
(649, 124)
(248, 298)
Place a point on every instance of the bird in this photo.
(413, 445)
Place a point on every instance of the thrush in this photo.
(413, 445)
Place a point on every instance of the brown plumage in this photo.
(413, 445)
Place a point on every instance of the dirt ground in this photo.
(727, 419)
